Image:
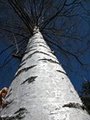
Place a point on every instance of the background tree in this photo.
(85, 94)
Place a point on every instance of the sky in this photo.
(7, 71)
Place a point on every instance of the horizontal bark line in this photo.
(44, 46)
(9, 103)
(27, 51)
(19, 114)
(24, 70)
(75, 105)
(40, 37)
(61, 72)
(8, 95)
(29, 56)
(23, 63)
(49, 60)
(29, 80)
(38, 44)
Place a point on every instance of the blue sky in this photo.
(7, 71)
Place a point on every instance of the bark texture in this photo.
(41, 89)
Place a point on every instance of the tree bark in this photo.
(41, 89)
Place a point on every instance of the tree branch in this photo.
(22, 14)
(65, 51)
(53, 17)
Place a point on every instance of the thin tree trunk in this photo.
(41, 89)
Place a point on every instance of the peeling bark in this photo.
(18, 115)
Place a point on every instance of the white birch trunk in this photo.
(41, 89)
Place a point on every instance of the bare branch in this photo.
(74, 2)
(53, 17)
(9, 31)
(22, 14)
(62, 49)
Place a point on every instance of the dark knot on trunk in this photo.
(35, 30)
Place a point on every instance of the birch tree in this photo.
(41, 89)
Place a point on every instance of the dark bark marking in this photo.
(21, 110)
(23, 63)
(33, 38)
(52, 52)
(34, 44)
(37, 52)
(18, 115)
(39, 43)
(75, 105)
(8, 103)
(29, 80)
(29, 51)
(8, 95)
(49, 60)
(71, 91)
(31, 47)
(36, 37)
(10, 90)
(45, 54)
(24, 69)
(44, 46)
(29, 56)
(61, 72)
(7, 118)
